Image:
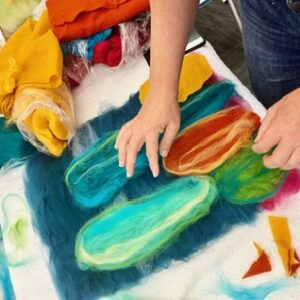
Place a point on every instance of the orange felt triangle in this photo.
(260, 265)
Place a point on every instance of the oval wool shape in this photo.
(94, 178)
(132, 232)
(205, 145)
(243, 179)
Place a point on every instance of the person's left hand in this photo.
(281, 128)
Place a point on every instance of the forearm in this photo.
(171, 24)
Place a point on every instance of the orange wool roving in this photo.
(74, 19)
(206, 144)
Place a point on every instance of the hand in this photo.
(281, 128)
(158, 115)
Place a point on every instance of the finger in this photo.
(133, 148)
(265, 124)
(152, 153)
(268, 140)
(280, 156)
(125, 128)
(168, 139)
(122, 146)
(294, 160)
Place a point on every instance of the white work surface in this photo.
(195, 279)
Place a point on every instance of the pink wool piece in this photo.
(291, 186)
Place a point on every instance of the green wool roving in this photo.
(243, 179)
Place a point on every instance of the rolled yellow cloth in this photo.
(194, 73)
(45, 117)
(31, 58)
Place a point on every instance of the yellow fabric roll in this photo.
(31, 58)
(194, 73)
(45, 117)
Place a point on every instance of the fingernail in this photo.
(128, 174)
(164, 153)
(155, 174)
(121, 165)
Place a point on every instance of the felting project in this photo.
(14, 13)
(71, 19)
(85, 47)
(208, 143)
(94, 178)
(130, 233)
(195, 72)
(30, 58)
(45, 117)
(51, 202)
(244, 179)
(12, 144)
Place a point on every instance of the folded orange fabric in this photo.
(73, 19)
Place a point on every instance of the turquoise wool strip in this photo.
(206, 101)
(95, 177)
(132, 232)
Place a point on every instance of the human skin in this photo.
(281, 129)
(171, 24)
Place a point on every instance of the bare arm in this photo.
(172, 21)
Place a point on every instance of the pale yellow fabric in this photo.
(45, 117)
(195, 72)
(31, 58)
(14, 12)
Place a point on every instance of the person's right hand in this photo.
(159, 115)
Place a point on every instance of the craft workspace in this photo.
(134, 163)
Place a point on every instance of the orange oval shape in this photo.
(206, 144)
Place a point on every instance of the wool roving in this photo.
(208, 143)
(132, 232)
(45, 117)
(244, 179)
(12, 144)
(85, 47)
(195, 72)
(206, 101)
(95, 177)
(6, 288)
(17, 231)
